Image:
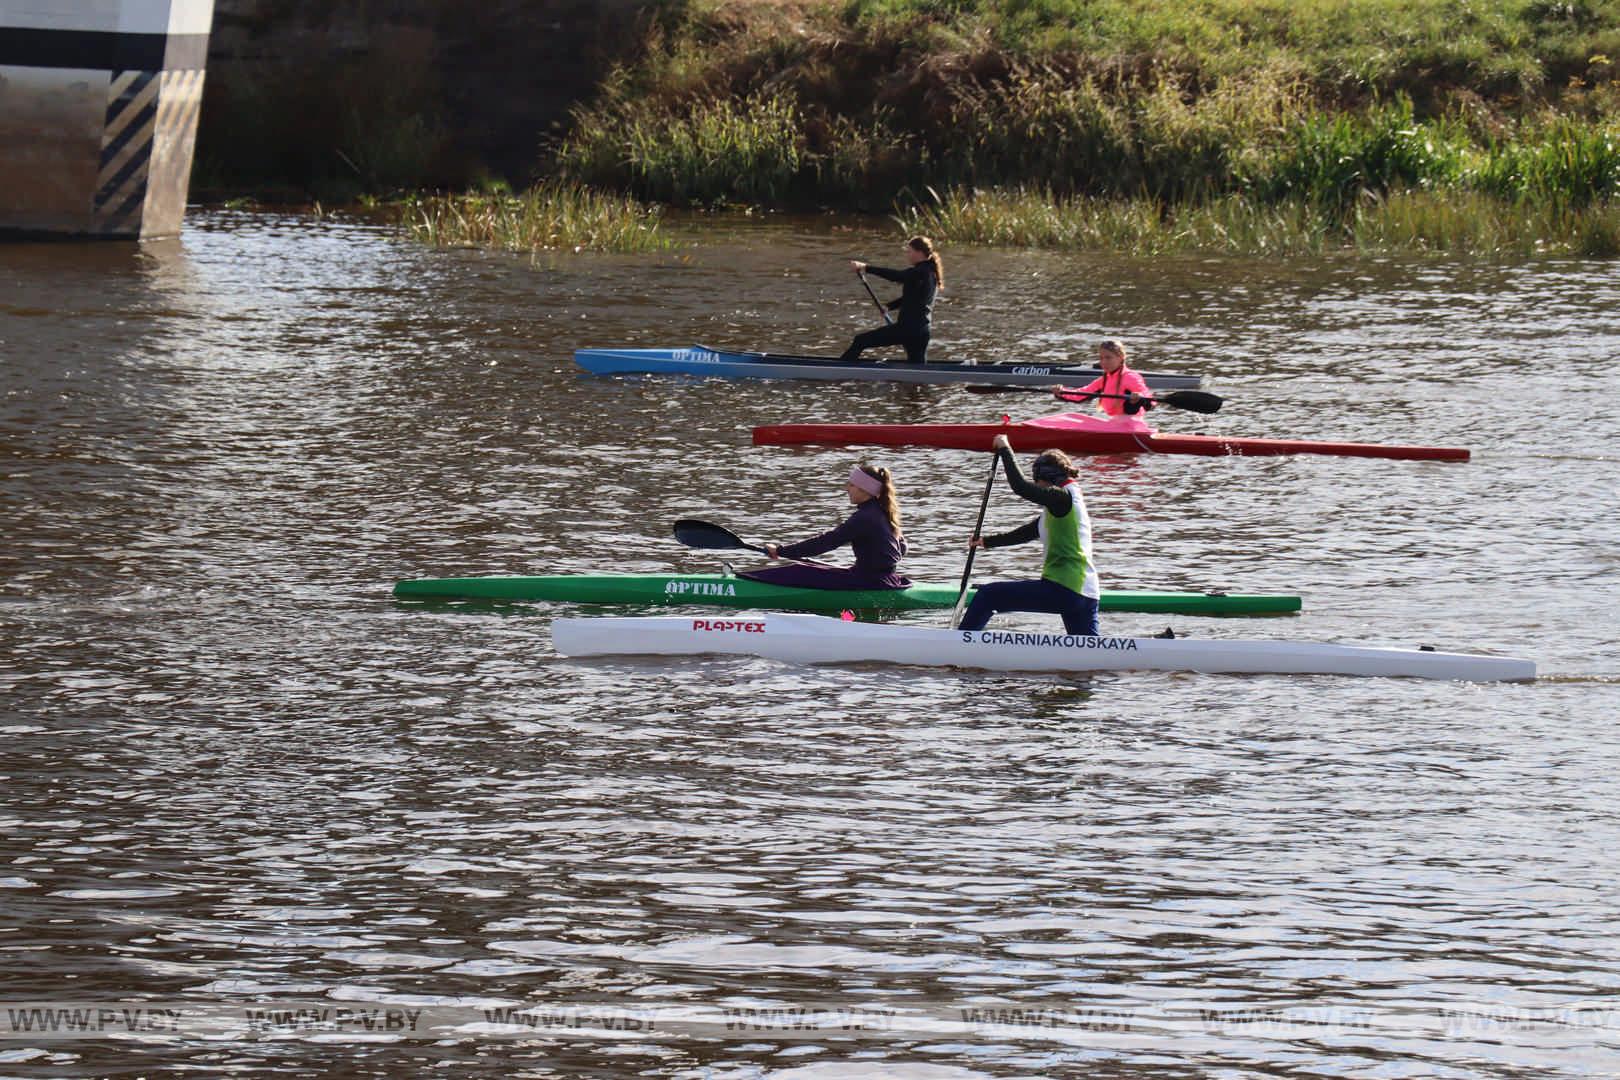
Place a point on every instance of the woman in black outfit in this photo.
(919, 282)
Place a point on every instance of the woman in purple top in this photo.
(872, 531)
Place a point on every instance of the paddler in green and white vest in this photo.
(1068, 582)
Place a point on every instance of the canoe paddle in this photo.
(1199, 401)
(704, 534)
(967, 571)
(883, 311)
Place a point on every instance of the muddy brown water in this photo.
(236, 774)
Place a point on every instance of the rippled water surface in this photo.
(235, 771)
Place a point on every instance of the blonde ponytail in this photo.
(888, 499)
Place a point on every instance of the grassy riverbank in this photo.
(1489, 126)
(546, 218)
(1414, 221)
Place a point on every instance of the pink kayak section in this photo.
(1081, 433)
(1077, 421)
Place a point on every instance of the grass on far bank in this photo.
(843, 105)
(553, 216)
(1463, 223)
(1481, 126)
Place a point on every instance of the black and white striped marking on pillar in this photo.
(126, 147)
(98, 114)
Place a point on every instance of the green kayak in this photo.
(716, 590)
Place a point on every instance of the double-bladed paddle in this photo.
(967, 571)
(704, 534)
(883, 311)
(1199, 401)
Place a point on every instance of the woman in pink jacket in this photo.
(1118, 378)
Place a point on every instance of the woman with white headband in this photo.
(872, 531)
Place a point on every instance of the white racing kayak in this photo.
(817, 639)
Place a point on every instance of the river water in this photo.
(237, 775)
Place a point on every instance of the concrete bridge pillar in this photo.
(98, 114)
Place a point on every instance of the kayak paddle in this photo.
(883, 311)
(707, 535)
(702, 534)
(1199, 401)
(967, 571)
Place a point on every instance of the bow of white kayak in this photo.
(815, 639)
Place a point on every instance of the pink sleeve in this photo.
(1094, 385)
(1134, 381)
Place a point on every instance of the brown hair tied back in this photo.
(889, 499)
(1055, 468)
(926, 247)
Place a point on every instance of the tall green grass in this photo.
(1252, 125)
(1566, 162)
(1333, 161)
(708, 152)
(847, 104)
(1457, 222)
(1029, 218)
(549, 217)
(1475, 224)
(1168, 154)
(1487, 46)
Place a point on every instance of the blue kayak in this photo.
(704, 361)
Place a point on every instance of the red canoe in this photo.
(1082, 433)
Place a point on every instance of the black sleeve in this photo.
(1029, 530)
(1054, 499)
(887, 274)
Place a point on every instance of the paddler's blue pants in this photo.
(1079, 612)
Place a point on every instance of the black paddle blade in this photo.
(703, 534)
(1192, 400)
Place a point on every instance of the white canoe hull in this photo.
(816, 639)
